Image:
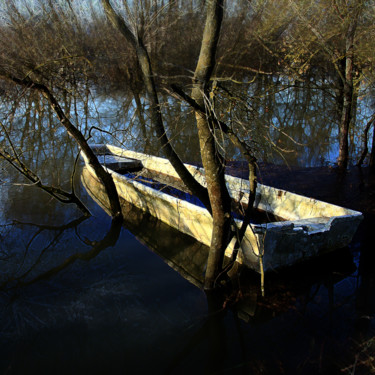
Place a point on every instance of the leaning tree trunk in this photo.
(212, 161)
(103, 175)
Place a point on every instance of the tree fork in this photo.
(247, 153)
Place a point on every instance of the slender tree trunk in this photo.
(141, 118)
(103, 175)
(212, 161)
(348, 93)
(346, 90)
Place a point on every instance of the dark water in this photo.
(89, 296)
(114, 306)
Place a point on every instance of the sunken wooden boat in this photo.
(305, 227)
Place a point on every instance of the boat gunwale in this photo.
(232, 180)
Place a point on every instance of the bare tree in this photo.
(216, 198)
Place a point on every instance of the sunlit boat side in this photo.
(309, 227)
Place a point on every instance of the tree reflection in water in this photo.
(69, 304)
(27, 267)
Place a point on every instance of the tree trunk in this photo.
(217, 200)
(365, 141)
(102, 174)
(213, 162)
(156, 117)
(348, 91)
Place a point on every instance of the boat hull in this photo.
(310, 227)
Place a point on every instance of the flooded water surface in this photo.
(86, 295)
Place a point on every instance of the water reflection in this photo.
(25, 273)
(83, 296)
(286, 122)
(179, 251)
(97, 299)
